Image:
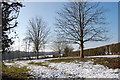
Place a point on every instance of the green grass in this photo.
(15, 73)
(10, 62)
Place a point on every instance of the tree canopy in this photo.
(10, 12)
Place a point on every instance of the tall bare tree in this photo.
(37, 33)
(81, 22)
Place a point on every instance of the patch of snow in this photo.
(41, 71)
(85, 70)
(9, 64)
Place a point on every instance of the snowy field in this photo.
(67, 69)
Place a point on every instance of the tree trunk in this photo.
(59, 53)
(81, 50)
(37, 51)
(81, 36)
(37, 55)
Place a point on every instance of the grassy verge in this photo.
(15, 73)
(109, 62)
(39, 64)
(69, 60)
(45, 64)
(10, 62)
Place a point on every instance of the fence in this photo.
(103, 50)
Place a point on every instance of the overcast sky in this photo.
(47, 10)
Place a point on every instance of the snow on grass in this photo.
(44, 72)
(85, 70)
(68, 69)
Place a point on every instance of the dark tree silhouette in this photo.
(67, 50)
(10, 12)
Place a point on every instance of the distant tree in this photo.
(80, 22)
(58, 44)
(27, 42)
(10, 12)
(67, 50)
(37, 33)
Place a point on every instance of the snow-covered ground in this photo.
(66, 70)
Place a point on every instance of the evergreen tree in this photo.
(10, 12)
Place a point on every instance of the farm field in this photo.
(69, 67)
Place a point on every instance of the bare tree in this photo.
(81, 22)
(59, 44)
(37, 33)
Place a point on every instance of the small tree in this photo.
(37, 32)
(80, 22)
(67, 50)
